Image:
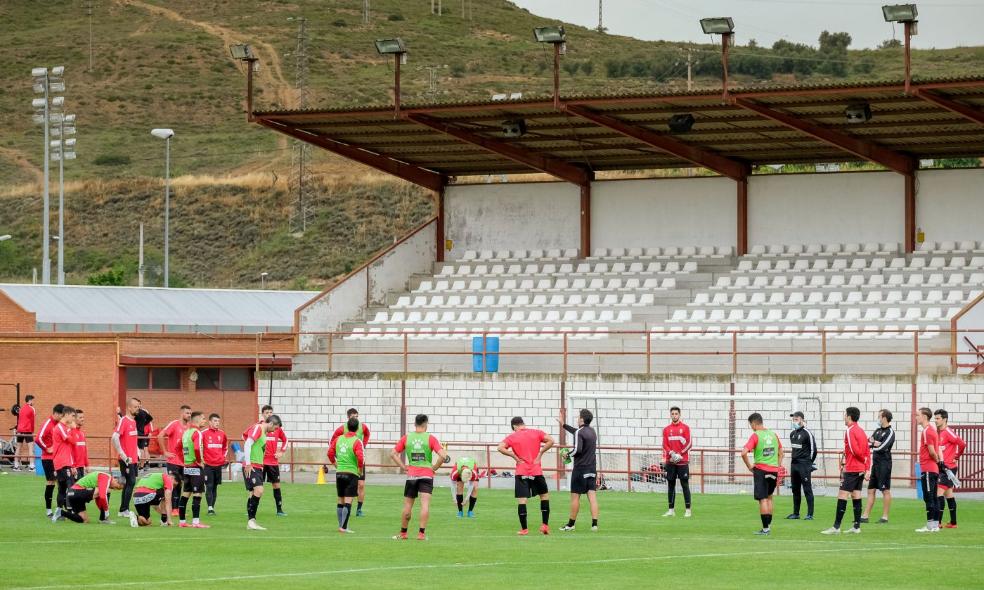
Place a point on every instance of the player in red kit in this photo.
(62, 458)
(951, 447)
(25, 433)
(855, 462)
(125, 442)
(276, 444)
(169, 439)
(676, 460)
(80, 451)
(44, 441)
(527, 446)
(929, 459)
(216, 445)
(363, 435)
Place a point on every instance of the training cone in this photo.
(321, 476)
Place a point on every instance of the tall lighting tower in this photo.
(46, 107)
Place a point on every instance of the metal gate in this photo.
(972, 463)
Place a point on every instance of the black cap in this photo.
(797, 414)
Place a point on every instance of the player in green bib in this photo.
(155, 490)
(347, 454)
(362, 433)
(767, 452)
(94, 486)
(465, 472)
(253, 466)
(192, 478)
(424, 455)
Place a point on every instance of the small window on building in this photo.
(236, 380)
(165, 378)
(137, 378)
(207, 379)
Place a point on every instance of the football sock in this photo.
(279, 499)
(841, 509)
(856, 502)
(403, 530)
(196, 507)
(471, 503)
(49, 490)
(460, 498)
(340, 513)
(252, 504)
(941, 505)
(570, 522)
(594, 522)
(952, 504)
(421, 529)
(359, 506)
(183, 508)
(522, 516)
(545, 511)
(348, 513)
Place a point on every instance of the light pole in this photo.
(64, 150)
(263, 276)
(724, 26)
(166, 135)
(398, 49)
(45, 82)
(558, 38)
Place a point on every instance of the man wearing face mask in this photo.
(804, 456)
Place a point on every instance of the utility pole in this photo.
(601, 27)
(365, 12)
(690, 68)
(88, 12)
(299, 175)
(437, 8)
(140, 263)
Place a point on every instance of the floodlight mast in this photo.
(398, 49)
(725, 27)
(557, 37)
(242, 52)
(905, 14)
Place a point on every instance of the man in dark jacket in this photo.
(584, 474)
(881, 442)
(804, 456)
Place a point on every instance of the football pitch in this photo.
(635, 548)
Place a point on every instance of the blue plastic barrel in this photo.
(38, 468)
(491, 354)
(919, 490)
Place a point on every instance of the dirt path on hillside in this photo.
(18, 158)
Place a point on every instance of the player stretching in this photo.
(63, 458)
(193, 483)
(881, 442)
(216, 445)
(94, 486)
(276, 444)
(527, 446)
(855, 462)
(363, 434)
(767, 452)
(584, 476)
(169, 440)
(951, 448)
(802, 464)
(253, 466)
(349, 459)
(125, 443)
(44, 440)
(152, 490)
(929, 458)
(420, 447)
(676, 459)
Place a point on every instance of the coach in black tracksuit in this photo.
(584, 475)
(804, 456)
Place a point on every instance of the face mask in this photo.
(797, 426)
(876, 424)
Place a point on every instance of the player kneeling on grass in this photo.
(855, 462)
(767, 452)
(527, 446)
(253, 466)
(584, 476)
(152, 490)
(420, 447)
(94, 486)
(193, 480)
(465, 471)
(348, 456)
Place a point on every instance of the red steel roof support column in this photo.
(439, 227)
(910, 212)
(742, 245)
(585, 220)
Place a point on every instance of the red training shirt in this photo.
(952, 446)
(80, 452)
(413, 470)
(341, 430)
(525, 443)
(928, 438)
(857, 454)
(216, 445)
(753, 442)
(676, 439)
(127, 429)
(61, 437)
(173, 434)
(276, 441)
(43, 439)
(25, 419)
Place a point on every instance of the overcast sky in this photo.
(943, 23)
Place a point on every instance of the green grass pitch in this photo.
(635, 548)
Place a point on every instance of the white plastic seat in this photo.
(892, 314)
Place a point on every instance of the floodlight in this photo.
(900, 13)
(858, 113)
(162, 133)
(550, 34)
(58, 101)
(57, 87)
(59, 131)
(58, 71)
(58, 142)
(56, 117)
(38, 103)
(39, 87)
(4, 237)
(681, 123)
(241, 51)
(69, 119)
(39, 119)
(390, 46)
(57, 156)
(39, 72)
(514, 128)
(718, 25)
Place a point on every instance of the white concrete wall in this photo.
(393, 270)
(826, 208)
(950, 204)
(514, 216)
(973, 319)
(345, 301)
(664, 212)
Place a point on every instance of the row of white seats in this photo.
(519, 254)
(963, 247)
(914, 297)
(666, 252)
(559, 284)
(957, 279)
(850, 314)
(584, 268)
(859, 264)
(823, 249)
(798, 332)
(556, 300)
(503, 333)
(502, 316)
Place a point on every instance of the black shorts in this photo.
(675, 471)
(79, 473)
(929, 481)
(25, 437)
(193, 480)
(417, 486)
(64, 476)
(347, 485)
(213, 474)
(142, 501)
(143, 442)
(582, 482)
(175, 471)
(945, 482)
(77, 499)
(49, 469)
(254, 479)
(764, 483)
(528, 486)
(852, 481)
(881, 476)
(271, 473)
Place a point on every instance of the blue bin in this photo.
(38, 468)
(919, 490)
(491, 355)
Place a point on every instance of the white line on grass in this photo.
(397, 568)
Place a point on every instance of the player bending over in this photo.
(154, 490)
(348, 456)
(855, 462)
(420, 447)
(527, 446)
(584, 476)
(465, 470)
(767, 452)
(951, 448)
(253, 466)
(94, 486)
